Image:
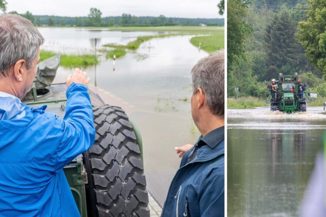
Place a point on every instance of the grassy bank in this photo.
(246, 102)
(121, 50)
(72, 61)
(316, 102)
(212, 41)
(117, 53)
(209, 43)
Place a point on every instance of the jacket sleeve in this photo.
(211, 201)
(78, 125)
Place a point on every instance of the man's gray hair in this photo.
(19, 39)
(208, 74)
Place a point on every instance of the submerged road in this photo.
(270, 158)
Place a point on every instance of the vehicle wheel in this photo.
(303, 107)
(274, 108)
(116, 182)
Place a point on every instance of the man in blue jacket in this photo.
(198, 186)
(36, 145)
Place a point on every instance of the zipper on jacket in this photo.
(185, 213)
(177, 197)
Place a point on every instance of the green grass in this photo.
(118, 52)
(82, 61)
(209, 43)
(72, 61)
(246, 102)
(316, 102)
(46, 54)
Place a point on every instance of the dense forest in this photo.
(268, 37)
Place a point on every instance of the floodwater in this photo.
(270, 158)
(154, 83)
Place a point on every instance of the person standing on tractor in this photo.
(36, 145)
(301, 89)
(274, 89)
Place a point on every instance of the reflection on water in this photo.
(155, 81)
(268, 169)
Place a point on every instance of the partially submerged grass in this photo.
(71, 60)
(209, 43)
(246, 102)
(211, 39)
(117, 53)
(120, 50)
(46, 54)
(82, 61)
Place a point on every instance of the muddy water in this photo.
(270, 160)
(154, 83)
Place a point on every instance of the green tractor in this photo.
(287, 94)
(107, 180)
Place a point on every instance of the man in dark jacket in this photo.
(36, 145)
(198, 186)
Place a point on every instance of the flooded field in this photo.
(154, 86)
(270, 158)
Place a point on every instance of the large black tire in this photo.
(274, 107)
(116, 182)
(303, 107)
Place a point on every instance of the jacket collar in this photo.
(207, 148)
(213, 138)
(10, 107)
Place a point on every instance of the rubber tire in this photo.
(116, 182)
(303, 107)
(274, 107)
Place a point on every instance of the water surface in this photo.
(269, 163)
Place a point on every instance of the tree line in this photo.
(95, 19)
(268, 37)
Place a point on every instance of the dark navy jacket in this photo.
(34, 148)
(197, 190)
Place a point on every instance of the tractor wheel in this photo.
(116, 182)
(274, 108)
(303, 107)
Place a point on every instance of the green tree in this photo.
(284, 53)
(238, 30)
(312, 34)
(3, 5)
(50, 21)
(276, 4)
(221, 7)
(28, 15)
(95, 17)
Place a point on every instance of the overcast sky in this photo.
(169, 8)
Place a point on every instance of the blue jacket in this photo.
(34, 148)
(197, 190)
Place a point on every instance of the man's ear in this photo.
(19, 69)
(200, 97)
